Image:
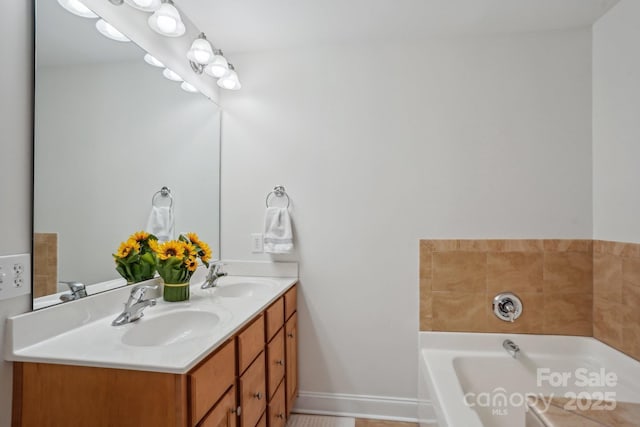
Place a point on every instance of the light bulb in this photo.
(151, 60)
(144, 5)
(201, 51)
(77, 8)
(167, 24)
(171, 75)
(110, 31)
(166, 21)
(218, 66)
(188, 87)
(230, 80)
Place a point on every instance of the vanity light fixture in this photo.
(77, 8)
(200, 54)
(110, 31)
(144, 5)
(230, 79)
(188, 87)
(171, 75)
(151, 60)
(166, 20)
(218, 66)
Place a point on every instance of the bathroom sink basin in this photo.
(170, 328)
(232, 287)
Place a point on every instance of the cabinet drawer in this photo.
(275, 362)
(224, 413)
(290, 301)
(276, 411)
(274, 318)
(250, 343)
(253, 396)
(209, 381)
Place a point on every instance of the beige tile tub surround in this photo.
(553, 278)
(616, 292)
(45, 264)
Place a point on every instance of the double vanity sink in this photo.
(231, 337)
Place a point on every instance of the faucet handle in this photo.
(138, 291)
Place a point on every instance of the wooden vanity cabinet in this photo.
(249, 381)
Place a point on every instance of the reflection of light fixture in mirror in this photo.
(144, 5)
(200, 54)
(110, 31)
(218, 67)
(151, 60)
(188, 87)
(230, 80)
(77, 8)
(166, 20)
(171, 75)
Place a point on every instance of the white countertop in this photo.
(94, 342)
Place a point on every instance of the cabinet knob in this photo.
(280, 362)
(290, 334)
(237, 411)
(281, 416)
(258, 395)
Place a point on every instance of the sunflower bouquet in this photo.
(135, 260)
(177, 260)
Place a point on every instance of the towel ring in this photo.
(164, 192)
(278, 191)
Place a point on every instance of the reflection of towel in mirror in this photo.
(278, 235)
(161, 223)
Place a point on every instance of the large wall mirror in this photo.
(109, 132)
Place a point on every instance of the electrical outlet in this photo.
(18, 268)
(15, 275)
(257, 243)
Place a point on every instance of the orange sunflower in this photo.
(127, 247)
(173, 248)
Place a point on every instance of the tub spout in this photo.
(511, 347)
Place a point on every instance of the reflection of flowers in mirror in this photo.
(135, 260)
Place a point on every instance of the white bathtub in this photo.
(469, 380)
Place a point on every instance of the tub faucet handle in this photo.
(507, 306)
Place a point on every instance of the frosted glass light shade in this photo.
(144, 5)
(77, 8)
(230, 81)
(218, 66)
(151, 60)
(171, 75)
(188, 87)
(200, 52)
(110, 31)
(166, 21)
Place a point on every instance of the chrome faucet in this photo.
(78, 290)
(511, 347)
(135, 305)
(215, 272)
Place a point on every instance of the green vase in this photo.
(174, 292)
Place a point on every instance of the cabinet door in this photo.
(291, 360)
(277, 408)
(208, 381)
(275, 362)
(224, 413)
(253, 396)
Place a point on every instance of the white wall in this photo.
(15, 161)
(616, 124)
(124, 132)
(379, 146)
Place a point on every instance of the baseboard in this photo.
(357, 406)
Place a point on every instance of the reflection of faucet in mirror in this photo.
(215, 272)
(135, 305)
(78, 290)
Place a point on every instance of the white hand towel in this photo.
(278, 235)
(161, 223)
